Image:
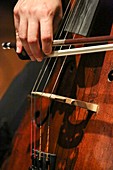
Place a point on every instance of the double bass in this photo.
(57, 135)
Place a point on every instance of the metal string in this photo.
(42, 71)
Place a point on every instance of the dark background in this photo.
(10, 65)
(6, 21)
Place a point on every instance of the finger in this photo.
(46, 30)
(33, 38)
(23, 29)
(16, 24)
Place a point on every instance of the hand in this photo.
(35, 21)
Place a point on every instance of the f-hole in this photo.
(110, 76)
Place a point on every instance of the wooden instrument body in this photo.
(81, 140)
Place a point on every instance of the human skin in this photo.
(35, 22)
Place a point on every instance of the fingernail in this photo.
(18, 50)
(32, 58)
(48, 48)
(39, 59)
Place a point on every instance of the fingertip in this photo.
(32, 58)
(18, 49)
(47, 47)
(18, 45)
(39, 59)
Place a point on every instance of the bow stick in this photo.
(63, 42)
(74, 51)
(81, 50)
(78, 41)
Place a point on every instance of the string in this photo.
(40, 132)
(54, 86)
(64, 59)
(48, 130)
(45, 69)
(32, 111)
(67, 18)
(52, 91)
(48, 78)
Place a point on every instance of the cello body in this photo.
(81, 139)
